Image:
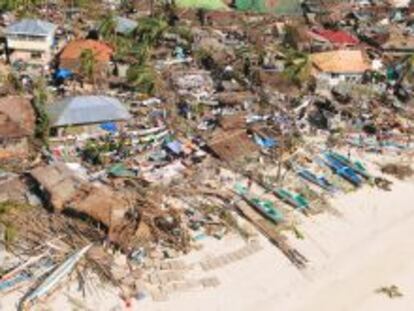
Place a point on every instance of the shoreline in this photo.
(350, 256)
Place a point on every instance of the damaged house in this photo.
(67, 192)
(17, 125)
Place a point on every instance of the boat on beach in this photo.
(357, 166)
(295, 200)
(265, 207)
(342, 170)
(320, 181)
(53, 279)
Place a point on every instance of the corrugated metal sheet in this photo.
(32, 27)
(125, 25)
(87, 110)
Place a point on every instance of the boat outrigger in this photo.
(356, 166)
(342, 170)
(319, 181)
(265, 207)
(53, 279)
(295, 200)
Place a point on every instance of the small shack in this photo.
(64, 191)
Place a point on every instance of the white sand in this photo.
(371, 245)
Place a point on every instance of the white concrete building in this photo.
(31, 41)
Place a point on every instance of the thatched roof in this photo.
(231, 145)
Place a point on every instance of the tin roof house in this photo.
(86, 111)
(31, 41)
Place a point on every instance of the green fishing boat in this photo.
(265, 207)
(295, 200)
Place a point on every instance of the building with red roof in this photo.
(70, 57)
(337, 38)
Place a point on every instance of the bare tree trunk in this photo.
(152, 5)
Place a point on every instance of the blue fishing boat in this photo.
(342, 170)
(356, 166)
(319, 181)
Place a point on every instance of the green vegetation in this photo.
(141, 75)
(107, 28)
(143, 78)
(202, 4)
(13, 5)
(150, 30)
(11, 232)
(88, 65)
(297, 67)
(39, 102)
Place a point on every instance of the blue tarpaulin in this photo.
(265, 142)
(174, 146)
(63, 74)
(109, 127)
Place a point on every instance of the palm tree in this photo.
(150, 30)
(107, 27)
(143, 78)
(88, 65)
(152, 7)
(297, 66)
(39, 102)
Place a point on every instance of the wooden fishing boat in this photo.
(295, 200)
(52, 280)
(265, 207)
(319, 181)
(356, 166)
(343, 171)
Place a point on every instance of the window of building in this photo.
(36, 55)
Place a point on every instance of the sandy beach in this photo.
(367, 247)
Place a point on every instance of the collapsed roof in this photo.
(66, 191)
(19, 110)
